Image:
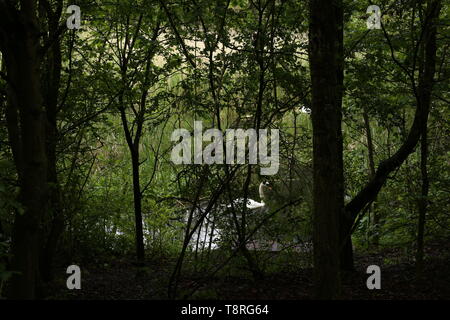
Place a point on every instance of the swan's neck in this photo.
(261, 192)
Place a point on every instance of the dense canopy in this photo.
(225, 149)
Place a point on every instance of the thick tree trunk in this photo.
(325, 55)
(26, 128)
(346, 248)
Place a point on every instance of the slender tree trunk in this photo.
(133, 140)
(137, 206)
(325, 55)
(422, 202)
(133, 146)
(53, 79)
(374, 228)
(425, 89)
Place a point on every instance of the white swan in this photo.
(253, 204)
(208, 230)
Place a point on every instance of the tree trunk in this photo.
(325, 55)
(425, 89)
(422, 202)
(374, 227)
(56, 219)
(133, 146)
(137, 206)
(19, 43)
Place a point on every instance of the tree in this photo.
(422, 92)
(425, 89)
(51, 82)
(21, 49)
(374, 229)
(326, 63)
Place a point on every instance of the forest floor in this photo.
(118, 279)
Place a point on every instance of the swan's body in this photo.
(208, 232)
(251, 204)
